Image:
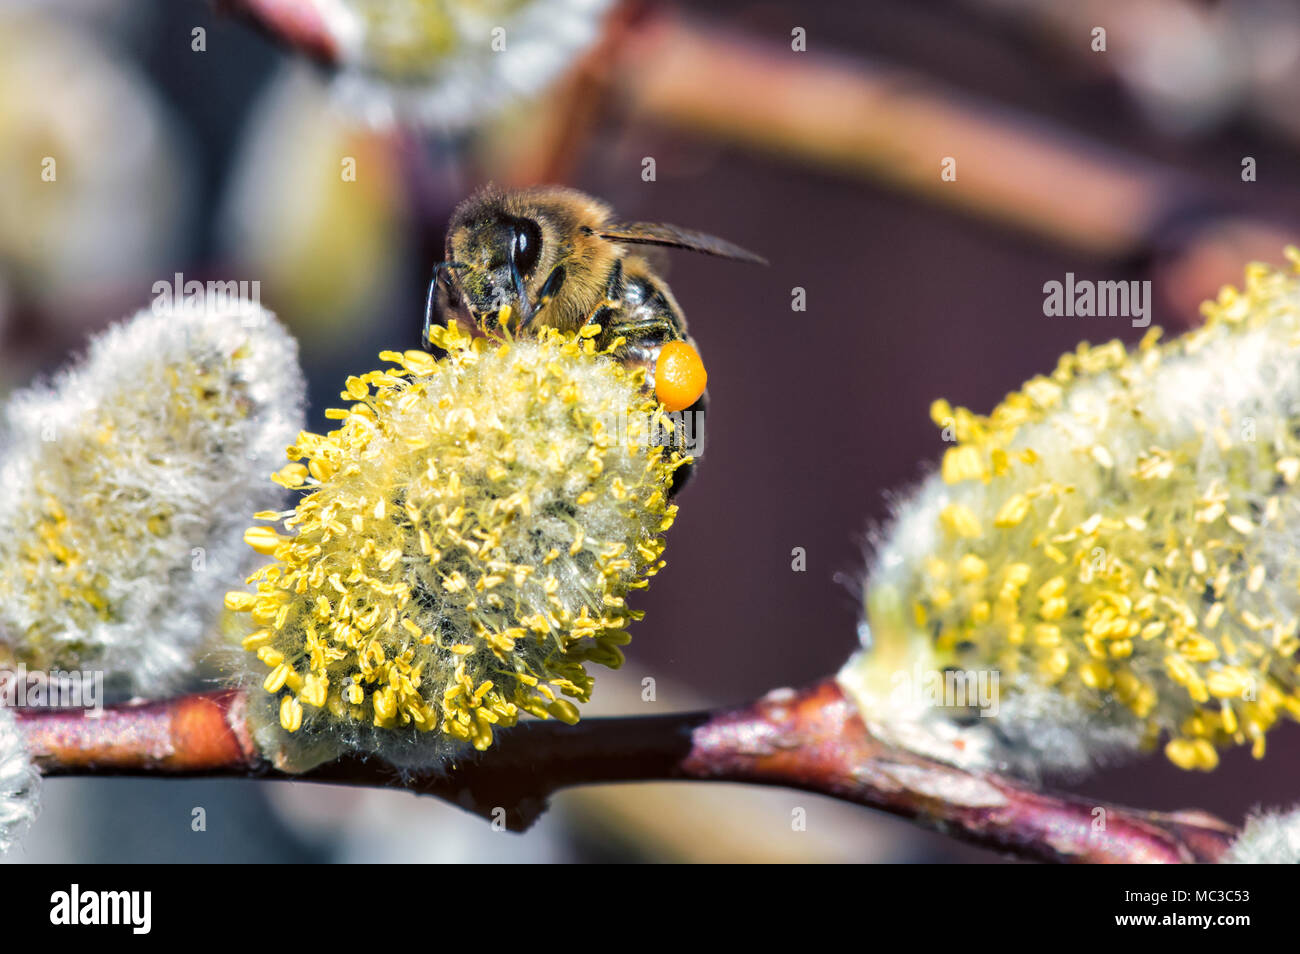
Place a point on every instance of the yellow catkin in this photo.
(1120, 569)
(465, 542)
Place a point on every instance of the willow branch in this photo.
(811, 739)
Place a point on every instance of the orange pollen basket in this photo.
(680, 377)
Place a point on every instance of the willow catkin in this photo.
(127, 483)
(465, 547)
(1117, 545)
(19, 783)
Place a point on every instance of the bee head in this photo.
(492, 256)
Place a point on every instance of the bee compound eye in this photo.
(527, 245)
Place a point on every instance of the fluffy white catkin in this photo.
(453, 64)
(128, 480)
(19, 783)
(1269, 838)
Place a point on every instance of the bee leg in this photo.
(433, 306)
(548, 291)
(689, 439)
(643, 340)
(640, 337)
(430, 303)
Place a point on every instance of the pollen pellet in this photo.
(680, 377)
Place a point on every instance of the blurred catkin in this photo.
(127, 483)
(1119, 542)
(19, 783)
(1268, 838)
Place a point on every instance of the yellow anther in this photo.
(1012, 512)
(262, 539)
(960, 521)
(564, 710)
(240, 602)
(290, 714)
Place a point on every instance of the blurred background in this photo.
(213, 141)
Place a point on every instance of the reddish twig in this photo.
(810, 739)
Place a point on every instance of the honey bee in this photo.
(555, 257)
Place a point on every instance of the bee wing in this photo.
(657, 233)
